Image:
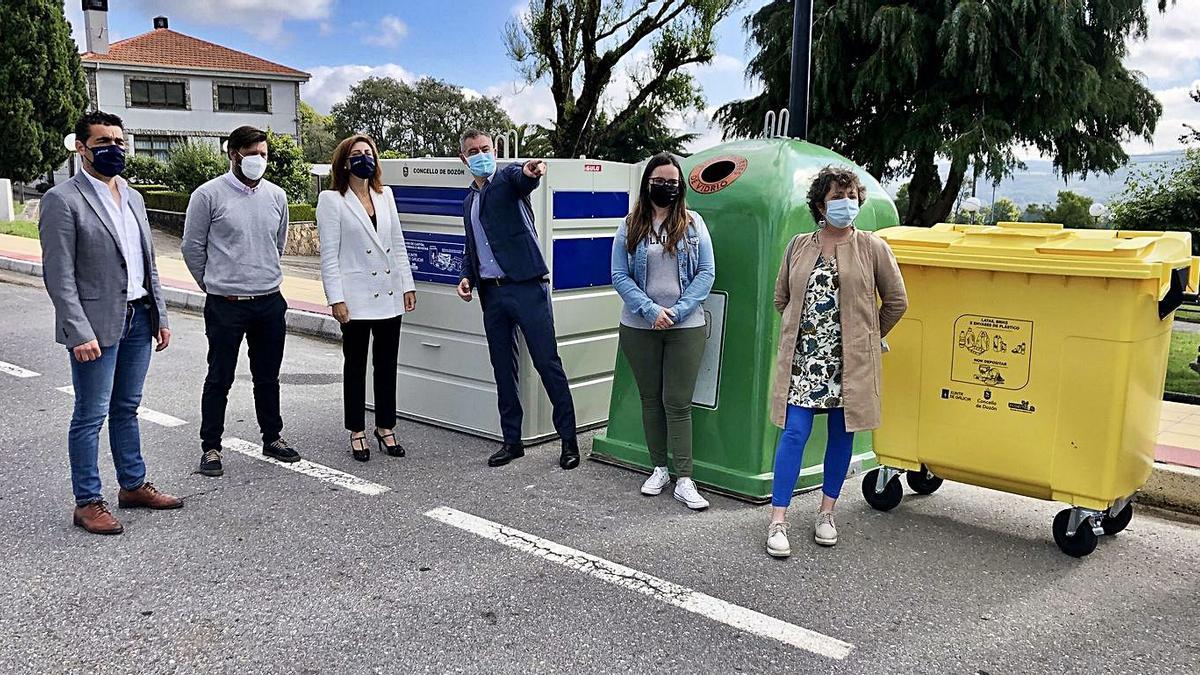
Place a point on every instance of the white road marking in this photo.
(152, 416)
(319, 471)
(16, 371)
(664, 591)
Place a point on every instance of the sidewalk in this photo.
(307, 311)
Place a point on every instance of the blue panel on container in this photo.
(429, 201)
(582, 263)
(571, 204)
(435, 257)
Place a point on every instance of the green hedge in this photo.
(302, 213)
(165, 200)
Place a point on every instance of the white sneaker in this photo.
(825, 533)
(657, 481)
(777, 541)
(685, 491)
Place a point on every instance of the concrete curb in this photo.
(298, 320)
(1172, 487)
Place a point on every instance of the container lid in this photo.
(1046, 248)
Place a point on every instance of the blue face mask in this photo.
(362, 166)
(482, 164)
(841, 212)
(108, 160)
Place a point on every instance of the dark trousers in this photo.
(356, 340)
(261, 322)
(524, 305)
(665, 364)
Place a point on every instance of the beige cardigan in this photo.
(866, 269)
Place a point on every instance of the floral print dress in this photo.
(817, 363)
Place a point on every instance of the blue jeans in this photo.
(111, 387)
(790, 453)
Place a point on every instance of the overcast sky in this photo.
(343, 41)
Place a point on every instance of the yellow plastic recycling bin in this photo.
(1032, 360)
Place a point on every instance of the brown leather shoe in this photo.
(97, 519)
(147, 497)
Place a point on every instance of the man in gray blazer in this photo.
(98, 264)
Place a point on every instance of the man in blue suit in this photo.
(504, 262)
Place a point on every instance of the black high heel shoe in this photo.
(359, 449)
(396, 450)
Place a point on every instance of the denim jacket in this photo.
(697, 271)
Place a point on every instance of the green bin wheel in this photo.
(1079, 545)
(888, 499)
(923, 483)
(1117, 523)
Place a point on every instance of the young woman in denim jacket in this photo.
(662, 267)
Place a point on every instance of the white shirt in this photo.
(239, 185)
(129, 232)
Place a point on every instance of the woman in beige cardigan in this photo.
(830, 343)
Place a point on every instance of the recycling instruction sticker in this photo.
(992, 352)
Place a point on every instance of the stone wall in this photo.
(303, 240)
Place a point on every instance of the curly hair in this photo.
(830, 175)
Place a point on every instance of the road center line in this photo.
(664, 591)
(319, 471)
(152, 416)
(16, 371)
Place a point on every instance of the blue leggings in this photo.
(790, 453)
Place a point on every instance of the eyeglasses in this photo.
(663, 182)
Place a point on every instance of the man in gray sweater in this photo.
(233, 238)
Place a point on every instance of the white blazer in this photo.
(367, 270)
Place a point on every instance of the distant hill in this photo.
(1038, 184)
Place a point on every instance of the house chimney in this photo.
(95, 22)
(160, 22)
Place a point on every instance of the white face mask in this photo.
(254, 166)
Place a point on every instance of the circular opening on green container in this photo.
(717, 171)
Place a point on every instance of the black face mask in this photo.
(664, 195)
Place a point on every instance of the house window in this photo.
(158, 147)
(235, 98)
(156, 94)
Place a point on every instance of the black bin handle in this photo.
(1174, 297)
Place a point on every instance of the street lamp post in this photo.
(801, 67)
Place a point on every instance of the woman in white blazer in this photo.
(369, 285)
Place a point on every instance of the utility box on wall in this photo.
(445, 375)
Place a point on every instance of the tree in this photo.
(316, 135)
(1072, 210)
(1193, 134)
(902, 198)
(898, 85)
(145, 170)
(1162, 197)
(581, 46)
(193, 164)
(642, 136)
(425, 118)
(42, 87)
(1036, 213)
(286, 167)
(1004, 210)
(371, 108)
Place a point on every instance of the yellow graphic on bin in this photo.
(992, 352)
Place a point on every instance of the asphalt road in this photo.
(270, 570)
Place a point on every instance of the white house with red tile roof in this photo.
(169, 87)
